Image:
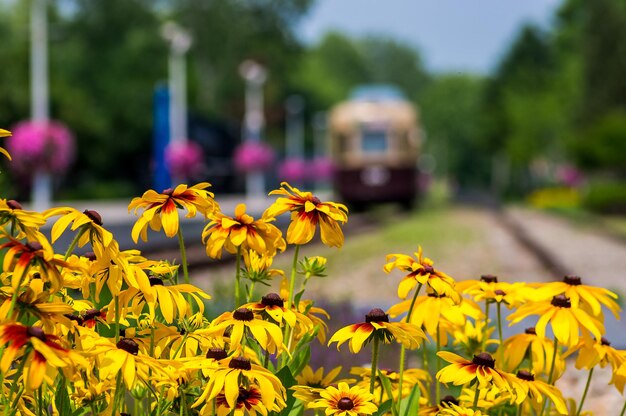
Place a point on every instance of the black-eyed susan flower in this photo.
(377, 326)
(566, 322)
(248, 402)
(39, 352)
(168, 299)
(227, 379)
(489, 289)
(592, 353)
(241, 324)
(445, 402)
(20, 223)
(37, 254)
(273, 306)
(480, 368)
(452, 409)
(161, 209)
(410, 377)
(420, 271)
(488, 398)
(528, 389)
(430, 311)
(528, 345)
(589, 298)
(5, 133)
(317, 378)
(241, 231)
(307, 211)
(90, 230)
(344, 400)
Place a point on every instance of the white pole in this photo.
(41, 193)
(180, 42)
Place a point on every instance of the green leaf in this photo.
(386, 383)
(62, 398)
(410, 406)
(287, 380)
(384, 408)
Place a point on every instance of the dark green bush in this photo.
(607, 197)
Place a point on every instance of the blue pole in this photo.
(161, 136)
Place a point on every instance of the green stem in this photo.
(438, 367)
(250, 292)
(18, 373)
(16, 293)
(486, 327)
(476, 395)
(403, 349)
(623, 410)
(551, 376)
(500, 349)
(117, 318)
(292, 281)
(374, 373)
(237, 277)
(74, 242)
(40, 405)
(582, 400)
(183, 256)
(175, 356)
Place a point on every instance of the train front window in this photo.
(374, 141)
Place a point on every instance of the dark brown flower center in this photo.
(128, 345)
(376, 315)
(436, 295)
(315, 200)
(36, 275)
(90, 255)
(449, 400)
(489, 278)
(484, 359)
(240, 363)
(531, 331)
(605, 342)
(427, 269)
(91, 314)
(36, 332)
(243, 314)
(13, 204)
(93, 216)
(345, 403)
(216, 353)
(154, 281)
(75, 318)
(499, 292)
(572, 280)
(168, 191)
(34, 246)
(561, 301)
(272, 299)
(525, 375)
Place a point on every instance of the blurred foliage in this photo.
(557, 96)
(606, 197)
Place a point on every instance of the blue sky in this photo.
(451, 35)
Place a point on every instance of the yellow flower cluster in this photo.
(103, 330)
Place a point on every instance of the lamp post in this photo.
(180, 41)
(255, 76)
(41, 192)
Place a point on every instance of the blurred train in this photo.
(375, 143)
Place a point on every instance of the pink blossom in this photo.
(184, 159)
(253, 157)
(293, 170)
(37, 146)
(322, 168)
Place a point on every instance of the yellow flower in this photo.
(306, 212)
(432, 310)
(420, 270)
(241, 231)
(455, 410)
(526, 387)
(91, 230)
(35, 254)
(5, 133)
(345, 401)
(257, 267)
(410, 378)
(565, 320)
(161, 210)
(462, 371)
(589, 298)
(490, 290)
(539, 351)
(267, 334)
(592, 353)
(226, 380)
(317, 379)
(312, 267)
(273, 306)
(249, 401)
(42, 351)
(474, 337)
(20, 222)
(377, 325)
